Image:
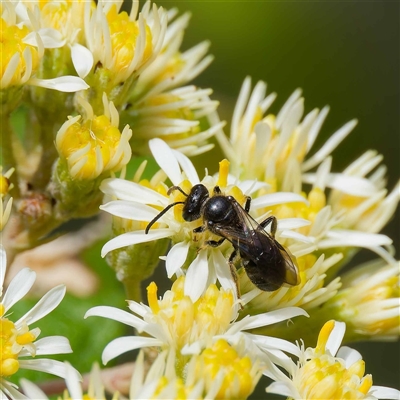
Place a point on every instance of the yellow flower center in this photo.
(4, 185)
(187, 321)
(237, 380)
(326, 377)
(317, 201)
(11, 42)
(66, 396)
(95, 141)
(11, 343)
(181, 392)
(124, 33)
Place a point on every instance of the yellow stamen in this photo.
(124, 33)
(365, 384)
(317, 199)
(152, 297)
(223, 173)
(4, 185)
(324, 336)
(11, 43)
(238, 381)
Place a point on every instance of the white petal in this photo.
(19, 287)
(73, 382)
(124, 344)
(130, 238)
(138, 309)
(52, 345)
(296, 236)
(350, 356)
(223, 271)
(31, 390)
(3, 267)
(176, 257)
(45, 365)
(273, 199)
(8, 391)
(130, 210)
(249, 187)
(117, 315)
(51, 38)
(283, 389)
(382, 392)
(292, 223)
(187, 167)
(329, 145)
(67, 84)
(166, 159)
(272, 317)
(126, 190)
(335, 338)
(343, 237)
(44, 306)
(352, 185)
(197, 276)
(82, 59)
(272, 343)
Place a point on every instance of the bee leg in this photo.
(199, 229)
(173, 188)
(217, 190)
(215, 243)
(234, 274)
(274, 224)
(247, 204)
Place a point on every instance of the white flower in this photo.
(5, 200)
(137, 202)
(186, 327)
(274, 149)
(171, 68)
(18, 340)
(175, 116)
(93, 145)
(121, 43)
(73, 382)
(324, 372)
(219, 372)
(369, 301)
(23, 45)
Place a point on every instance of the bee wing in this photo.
(245, 240)
(292, 276)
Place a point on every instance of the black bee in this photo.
(267, 263)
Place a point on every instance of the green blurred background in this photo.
(344, 54)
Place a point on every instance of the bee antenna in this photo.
(158, 216)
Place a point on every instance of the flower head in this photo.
(369, 301)
(22, 47)
(175, 116)
(5, 204)
(19, 59)
(323, 374)
(122, 43)
(18, 339)
(190, 251)
(73, 382)
(274, 149)
(94, 145)
(178, 323)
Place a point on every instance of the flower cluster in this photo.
(253, 252)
